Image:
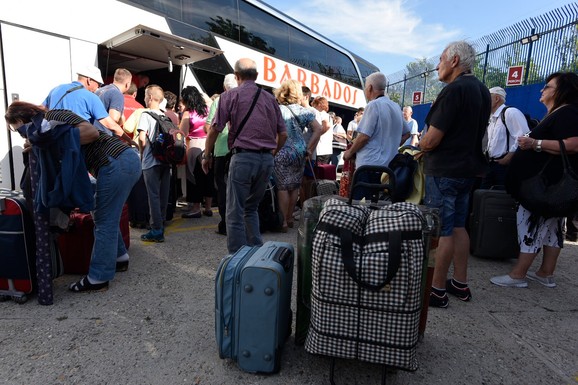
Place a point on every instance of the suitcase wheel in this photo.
(20, 299)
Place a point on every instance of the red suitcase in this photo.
(18, 245)
(326, 171)
(76, 245)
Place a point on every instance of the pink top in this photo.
(196, 124)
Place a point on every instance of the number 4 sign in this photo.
(515, 76)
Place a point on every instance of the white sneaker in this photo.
(546, 281)
(507, 281)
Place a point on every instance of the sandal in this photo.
(84, 285)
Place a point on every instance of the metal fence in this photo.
(540, 45)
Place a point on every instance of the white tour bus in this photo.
(175, 43)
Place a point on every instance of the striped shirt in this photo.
(96, 153)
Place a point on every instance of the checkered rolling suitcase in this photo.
(367, 282)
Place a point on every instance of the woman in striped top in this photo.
(116, 167)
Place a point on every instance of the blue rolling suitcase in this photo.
(253, 305)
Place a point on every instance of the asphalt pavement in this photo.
(155, 325)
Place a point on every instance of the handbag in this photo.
(559, 199)
(346, 176)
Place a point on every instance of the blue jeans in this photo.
(113, 185)
(246, 184)
(158, 182)
(451, 196)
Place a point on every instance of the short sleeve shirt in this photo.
(81, 101)
(383, 123)
(148, 124)
(461, 111)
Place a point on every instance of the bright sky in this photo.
(392, 33)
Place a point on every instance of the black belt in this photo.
(497, 158)
(238, 150)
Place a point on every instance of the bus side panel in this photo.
(34, 63)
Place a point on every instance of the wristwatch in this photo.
(538, 146)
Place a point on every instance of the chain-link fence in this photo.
(540, 45)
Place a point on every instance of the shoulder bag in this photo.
(559, 199)
(230, 153)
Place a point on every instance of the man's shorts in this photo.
(451, 196)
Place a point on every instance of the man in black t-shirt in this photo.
(453, 159)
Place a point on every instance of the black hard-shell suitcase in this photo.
(493, 231)
(270, 215)
(138, 203)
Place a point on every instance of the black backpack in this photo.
(531, 121)
(169, 144)
(404, 167)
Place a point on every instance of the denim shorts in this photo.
(452, 197)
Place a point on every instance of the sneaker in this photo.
(438, 301)
(153, 236)
(546, 281)
(463, 294)
(507, 281)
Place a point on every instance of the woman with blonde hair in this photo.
(290, 160)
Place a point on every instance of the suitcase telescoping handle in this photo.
(395, 238)
(376, 187)
(284, 257)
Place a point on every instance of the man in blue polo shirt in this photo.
(79, 98)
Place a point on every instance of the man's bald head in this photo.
(246, 69)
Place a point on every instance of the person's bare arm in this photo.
(117, 130)
(185, 123)
(357, 145)
(431, 139)
(115, 115)
(88, 133)
(316, 134)
(281, 139)
(207, 161)
(142, 141)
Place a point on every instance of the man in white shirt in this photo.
(505, 126)
(411, 127)
(352, 126)
(325, 144)
(378, 134)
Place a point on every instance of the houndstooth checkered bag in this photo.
(367, 268)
